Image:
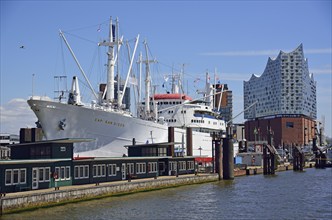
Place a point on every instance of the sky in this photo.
(232, 38)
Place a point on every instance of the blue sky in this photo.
(236, 37)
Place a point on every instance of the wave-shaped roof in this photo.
(271, 61)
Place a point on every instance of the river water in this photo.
(287, 195)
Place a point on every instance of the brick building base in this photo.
(285, 130)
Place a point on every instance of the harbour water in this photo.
(286, 195)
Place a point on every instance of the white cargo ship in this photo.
(112, 126)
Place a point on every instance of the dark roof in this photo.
(25, 161)
(60, 141)
(163, 144)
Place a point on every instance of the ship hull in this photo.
(111, 131)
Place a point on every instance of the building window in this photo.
(99, 170)
(86, 171)
(15, 176)
(47, 174)
(289, 124)
(190, 165)
(172, 166)
(94, 172)
(8, 178)
(140, 168)
(37, 152)
(182, 165)
(57, 171)
(44, 174)
(41, 175)
(23, 176)
(152, 167)
(81, 172)
(63, 173)
(130, 168)
(67, 173)
(112, 169)
(76, 169)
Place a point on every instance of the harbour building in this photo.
(223, 102)
(285, 97)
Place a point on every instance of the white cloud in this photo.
(263, 52)
(234, 76)
(16, 114)
(327, 71)
(318, 51)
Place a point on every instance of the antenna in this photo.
(33, 78)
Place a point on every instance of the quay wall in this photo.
(34, 199)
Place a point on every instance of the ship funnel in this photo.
(74, 94)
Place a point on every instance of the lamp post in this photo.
(255, 133)
(200, 151)
(304, 143)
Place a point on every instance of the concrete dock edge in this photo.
(42, 198)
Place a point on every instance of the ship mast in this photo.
(111, 59)
(110, 66)
(147, 80)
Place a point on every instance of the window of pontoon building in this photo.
(8, 178)
(172, 166)
(57, 170)
(63, 172)
(152, 167)
(140, 168)
(112, 169)
(182, 165)
(41, 174)
(76, 171)
(23, 176)
(86, 171)
(99, 170)
(15, 176)
(190, 165)
(130, 168)
(162, 152)
(81, 171)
